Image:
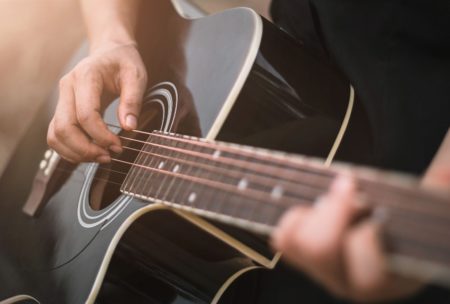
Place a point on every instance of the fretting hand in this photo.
(348, 258)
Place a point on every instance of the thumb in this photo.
(132, 88)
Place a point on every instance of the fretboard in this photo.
(252, 188)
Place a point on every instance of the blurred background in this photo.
(38, 39)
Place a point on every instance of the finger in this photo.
(362, 249)
(58, 146)
(331, 216)
(368, 276)
(320, 239)
(64, 135)
(73, 157)
(133, 83)
(88, 93)
(287, 226)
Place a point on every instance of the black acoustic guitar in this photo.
(176, 219)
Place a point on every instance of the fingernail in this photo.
(131, 121)
(103, 159)
(116, 148)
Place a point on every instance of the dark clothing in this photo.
(397, 56)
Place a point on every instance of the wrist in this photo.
(111, 40)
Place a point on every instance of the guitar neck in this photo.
(252, 188)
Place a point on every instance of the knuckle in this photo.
(83, 118)
(143, 76)
(86, 69)
(136, 71)
(60, 129)
(51, 139)
(131, 101)
(64, 81)
(86, 154)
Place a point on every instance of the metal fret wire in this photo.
(147, 181)
(164, 180)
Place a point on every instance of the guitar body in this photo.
(231, 76)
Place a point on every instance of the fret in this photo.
(164, 164)
(157, 165)
(222, 201)
(243, 185)
(145, 181)
(233, 161)
(206, 171)
(191, 195)
(175, 166)
(271, 158)
(134, 172)
(186, 169)
(410, 247)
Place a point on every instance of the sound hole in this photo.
(105, 188)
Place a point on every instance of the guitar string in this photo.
(314, 165)
(399, 228)
(132, 165)
(262, 180)
(228, 172)
(297, 179)
(215, 147)
(303, 163)
(413, 202)
(222, 160)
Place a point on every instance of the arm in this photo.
(348, 259)
(110, 22)
(113, 68)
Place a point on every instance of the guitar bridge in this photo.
(40, 190)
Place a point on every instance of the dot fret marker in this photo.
(277, 192)
(216, 154)
(192, 197)
(243, 183)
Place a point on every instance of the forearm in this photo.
(110, 22)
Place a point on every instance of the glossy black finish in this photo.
(162, 258)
